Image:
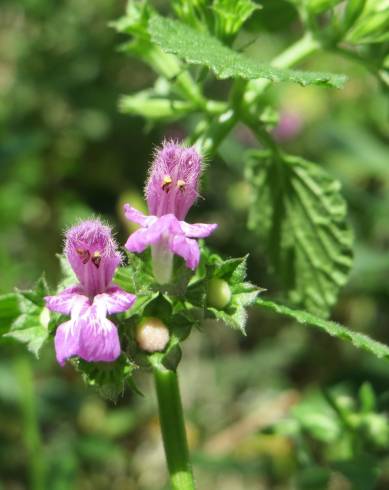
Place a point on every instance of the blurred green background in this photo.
(275, 411)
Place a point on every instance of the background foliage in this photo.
(285, 406)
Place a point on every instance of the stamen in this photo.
(181, 184)
(84, 254)
(96, 259)
(167, 180)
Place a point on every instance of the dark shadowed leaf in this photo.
(300, 216)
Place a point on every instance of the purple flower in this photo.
(89, 334)
(171, 190)
(289, 126)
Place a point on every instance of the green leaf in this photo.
(31, 325)
(317, 418)
(136, 277)
(359, 340)
(37, 294)
(300, 216)
(136, 24)
(202, 49)
(108, 378)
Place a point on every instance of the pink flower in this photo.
(89, 334)
(171, 190)
(289, 126)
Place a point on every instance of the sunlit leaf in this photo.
(202, 49)
(359, 340)
(31, 324)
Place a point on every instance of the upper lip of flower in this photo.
(172, 186)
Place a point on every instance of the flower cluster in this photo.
(171, 190)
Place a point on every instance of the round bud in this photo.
(218, 293)
(152, 335)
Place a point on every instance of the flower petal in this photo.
(141, 239)
(66, 300)
(115, 300)
(197, 230)
(99, 339)
(135, 216)
(66, 341)
(187, 248)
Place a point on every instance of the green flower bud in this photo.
(218, 293)
(152, 335)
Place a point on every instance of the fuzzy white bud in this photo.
(152, 335)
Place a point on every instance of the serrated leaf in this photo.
(136, 277)
(109, 379)
(200, 48)
(31, 327)
(243, 294)
(235, 316)
(233, 270)
(300, 216)
(38, 293)
(31, 334)
(359, 340)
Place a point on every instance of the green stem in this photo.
(209, 134)
(173, 428)
(31, 432)
(168, 66)
(262, 135)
